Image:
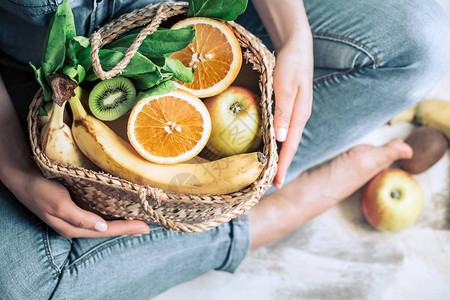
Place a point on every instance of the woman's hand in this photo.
(293, 83)
(287, 24)
(51, 202)
(48, 199)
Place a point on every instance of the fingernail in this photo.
(100, 226)
(137, 234)
(143, 231)
(281, 134)
(279, 185)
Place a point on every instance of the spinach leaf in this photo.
(180, 72)
(146, 81)
(139, 64)
(161, 42)
(42, 111)
(159, 61)
(161, 89)
(227, 10)
(83, 51)
(61, 28)
(55, 46)
(77, 73)
(78, 51)
(40, 77)
(65, 10)
(165, 76)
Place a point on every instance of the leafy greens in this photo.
(151, 69)
(226, 10)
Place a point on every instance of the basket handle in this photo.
(97, 42)
(184, 227)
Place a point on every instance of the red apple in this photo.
(392, 200)
(235, 122)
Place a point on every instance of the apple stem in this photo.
(396, 194)
(235, 107)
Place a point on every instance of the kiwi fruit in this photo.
(112, 98)
(429, 145)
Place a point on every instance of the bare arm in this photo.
(15, 155)
(48, 199)
(288, 28)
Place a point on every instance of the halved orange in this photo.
(170, 128)
(215, 55)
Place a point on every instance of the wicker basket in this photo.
(116, 198)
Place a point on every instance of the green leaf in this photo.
(226, 10)
(65, 10)
(61, 28)
(76, 73)
(42, 111)
(146, 81)
(84, 42)
(165, 76)
(77, 49)
(159, 61)
(161, 89)
(161, 42)
(138, 65)
(83, 55)
(55, 45)
(40, 77)
(71, 72)
(180, 72)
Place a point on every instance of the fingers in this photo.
(71, 213)
(72, 221)
(115, 228)
(285, 96)
(300, 115)
(121, 227)
(293, 98)
(51, 202)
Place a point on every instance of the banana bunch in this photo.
(116, 156)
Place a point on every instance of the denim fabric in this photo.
(373, 59)
(34, 16)
(37, 263)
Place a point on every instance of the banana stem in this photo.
(77, 108)
(57, 117)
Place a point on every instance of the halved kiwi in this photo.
(112, 98)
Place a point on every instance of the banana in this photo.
(116, 156)
(434, 113)
(43, 120)
(196, 160)
(57, 141)
(404, 116)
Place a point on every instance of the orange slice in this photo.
(170, 128)
(215, 55)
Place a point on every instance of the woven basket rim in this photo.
(256, 54)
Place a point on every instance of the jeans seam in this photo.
(349, 41)
(99, 248)
(96, 249)
(334, 75)
(48, 250)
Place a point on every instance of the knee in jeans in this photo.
(420, 37)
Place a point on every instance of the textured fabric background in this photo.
(339, 256)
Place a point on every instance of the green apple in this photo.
(392, 200)
(235, 122)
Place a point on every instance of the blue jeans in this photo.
(373, 59)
